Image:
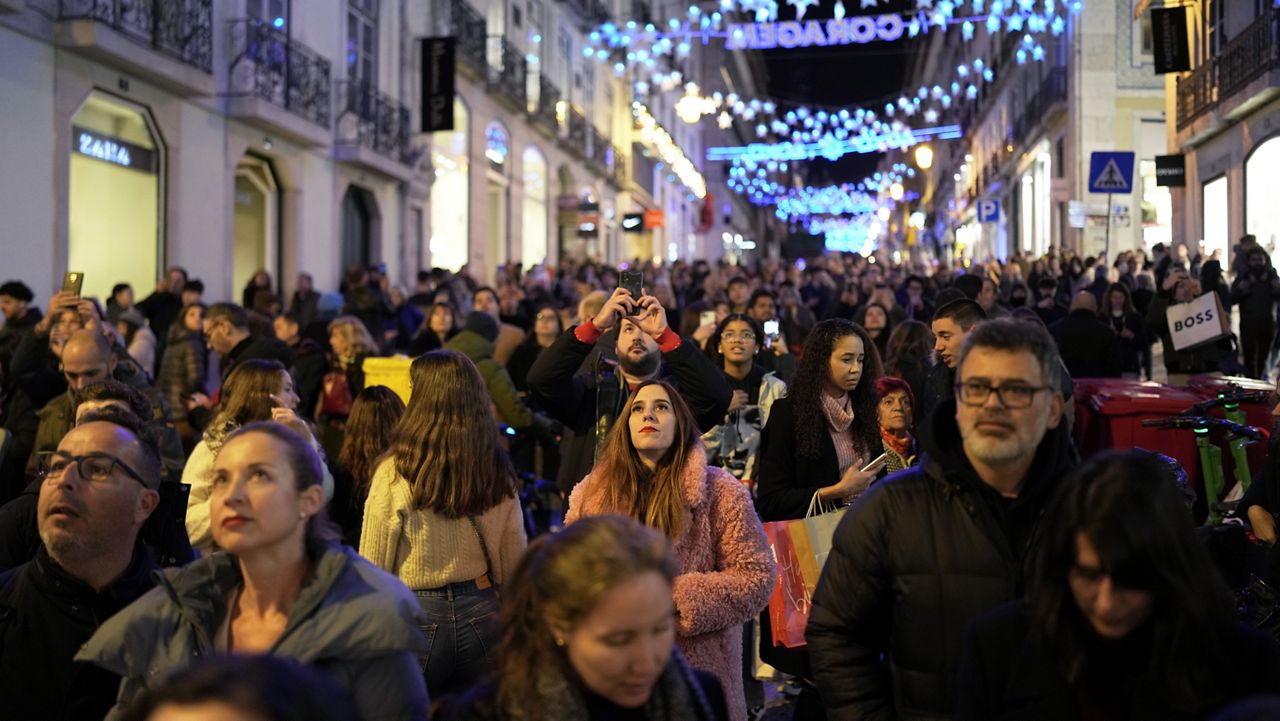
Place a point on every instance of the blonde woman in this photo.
(351, 344)
(442, 514)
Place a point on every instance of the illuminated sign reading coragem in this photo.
(857, 30)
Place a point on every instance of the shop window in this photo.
(1261, 178)
(114, 226)
(359, 216)
(450, 194)
(1215, 217)
(534, 210)
(257, 220)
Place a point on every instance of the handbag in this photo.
(481, 583)
(335, 398)
(1197, 322)
(800, 549)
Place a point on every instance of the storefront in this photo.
(533, 212)
(257, 213)
(115, 198)
(1262, 212)
(450, 193)
(1216, 208)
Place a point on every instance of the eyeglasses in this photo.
(1016, 395)
(94, 467)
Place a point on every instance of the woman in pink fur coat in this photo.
(653, 469)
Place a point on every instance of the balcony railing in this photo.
(507, 70)
(467, 25)
(268, 64)
(1248, 55)
(181, 29)
(1197, 93)
(1052, 90)
(619, 167)
(576, 130)
(372, 119)
(543, 107)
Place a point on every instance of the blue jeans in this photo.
(462, 635)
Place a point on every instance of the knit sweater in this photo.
(427, 550)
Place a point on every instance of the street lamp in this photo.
(924, 157)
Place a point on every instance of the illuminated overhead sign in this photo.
(113, 150)
(831, 148)
(858, 30)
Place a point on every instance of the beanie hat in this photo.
(483, 325)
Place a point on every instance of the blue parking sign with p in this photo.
(988, 211)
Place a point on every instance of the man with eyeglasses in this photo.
(99, 487)
(226, 332)
(928, 549)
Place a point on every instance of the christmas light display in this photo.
(832, 148)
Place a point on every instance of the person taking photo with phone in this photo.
(589, 403)
(734, 445)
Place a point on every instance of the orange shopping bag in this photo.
(789, 604)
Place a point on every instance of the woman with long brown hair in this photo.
(256, 390)
(373, 418)
(590, 630)
(351, 344)
(442, 514)
(653, 469)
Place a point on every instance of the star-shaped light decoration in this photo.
(802, 6)
(838, 11)
(724, 120)
(966, 31)
(931, 116)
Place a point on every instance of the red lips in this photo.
(648, 429)
(234, 521)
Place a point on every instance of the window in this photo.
(274, 13)
(362, 41)
(1215, 216)
(1261, 173)
(1214, 13)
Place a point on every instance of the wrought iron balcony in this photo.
(1197, 93)
(464, 22)
(619, 162)
(268, 64)
(507, 71)
(543, 108)
(576, 130)
(180, 29)
(1249, 55)
(372, 120)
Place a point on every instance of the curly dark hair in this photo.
(811, 377)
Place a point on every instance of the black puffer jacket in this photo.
(919, 556)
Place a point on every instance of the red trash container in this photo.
(1087, 418)
(1121, 407)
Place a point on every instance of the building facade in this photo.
(228, 137)
(1029, 134)
(1225, 121)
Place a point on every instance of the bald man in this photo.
(87, 358)
(1088, 346)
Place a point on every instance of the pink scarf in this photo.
(839, 415)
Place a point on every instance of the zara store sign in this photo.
(858, 30)
(113, 150)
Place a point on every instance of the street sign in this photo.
(988, 211)
(439, 86)
(1111, 172)
(1171, 171)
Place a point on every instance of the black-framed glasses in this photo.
(1011, 395)
(94, 467)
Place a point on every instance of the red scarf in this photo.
(901, 446)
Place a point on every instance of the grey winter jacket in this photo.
(351, 621)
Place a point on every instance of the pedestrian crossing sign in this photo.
(1111, 172)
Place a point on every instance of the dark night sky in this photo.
(847, 76)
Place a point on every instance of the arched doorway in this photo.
(533, 214)
(114, 203)
(359, 224)
(451, 194)
(257, 221)
(1261, 178)
(496, 150)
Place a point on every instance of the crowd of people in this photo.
(194, 497)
